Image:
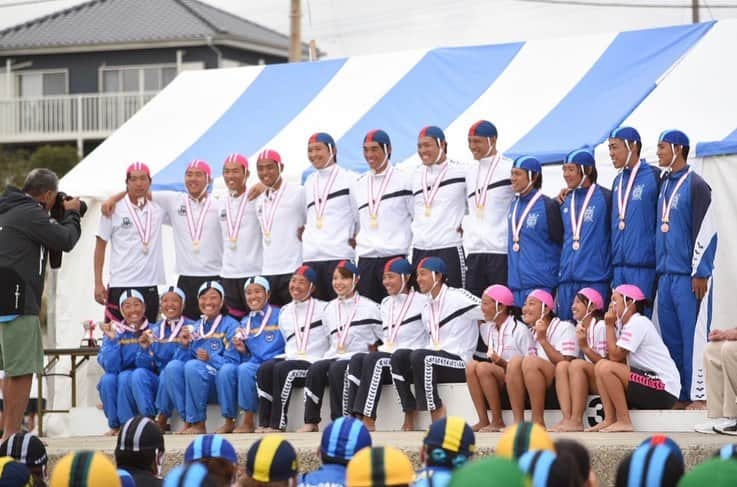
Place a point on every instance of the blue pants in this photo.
(521, 294)
(174, 384)
(164, 402)
(199, 378)
(567, 292)
(143, 384)
(684, 325)
(226, 386)
(247, 395)
(117, 398)
(642, 277)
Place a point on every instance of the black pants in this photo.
(235, 297)
(454, 259)
(190, 285)
(483, 270)
(279, 289)
(275, 380)
(324, 270)
(150, 297)
(371, 371)
(427, 368)
(322, 373)
(371, 284)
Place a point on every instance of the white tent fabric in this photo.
(546, 98)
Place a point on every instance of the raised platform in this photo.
(607, 449)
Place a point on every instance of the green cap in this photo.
(490, 472)
(715, 472)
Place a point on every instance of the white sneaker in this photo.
(730, 429)
(710, 427)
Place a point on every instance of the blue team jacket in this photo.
(593, 261)
(261, 347)
(216, 344)
(161, 353)
(690, 245)
(120, 353)
(536, 264)
(635, 245)
(329, 475)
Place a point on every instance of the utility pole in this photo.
(695, 11)
(295, 31)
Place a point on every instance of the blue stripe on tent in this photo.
(728, 145)
(440, 87)
(619, 80)
(276, 96)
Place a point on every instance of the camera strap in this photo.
(12, 292)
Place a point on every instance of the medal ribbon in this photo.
(246, 332)
(517, 224)
(195, 231)
(429, 198)
(144, 232)
(271, 203)
(577, 223)
(622, 202)
(396, 323)
(214, 327)
(302, 334)
(374, 202)
(479, 196)
(321, 202)
(123, 327)
(435, 315)
(345, 326)
(498, 345)
(551, 328)
(235, 225)
(175, 326)
(665, 213)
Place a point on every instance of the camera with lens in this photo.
(57, 212)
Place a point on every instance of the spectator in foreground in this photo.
(84, 469)
(379, 466)
(140, 451)
(29, 450)
(449, 443)
(271, 461)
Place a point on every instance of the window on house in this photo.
(40, 83)
(136, 79)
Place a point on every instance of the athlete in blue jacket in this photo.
(685, 246)
(117, 357)
(585, 259)
(342, 439)
(634, 209)
(212, 336)
(159, 347)
(257, 340)
(535, 233)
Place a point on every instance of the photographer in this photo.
(27, 234)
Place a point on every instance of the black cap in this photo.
(140, 434)
(26, 448)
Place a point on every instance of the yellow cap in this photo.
(84, 469)
(522, 437)
(378, 467)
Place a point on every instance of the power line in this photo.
(587, 3)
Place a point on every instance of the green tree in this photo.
(15, 164)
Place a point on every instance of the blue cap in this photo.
(308, 273)
(130, 293)
(528, 163)
(728, 451)
(177, 291)
(537, 464)
(653, 459)
(453, 436)
(126, 479)
(400, 265)
(432, 131)
(343, 438)
(210, 446)
(192, 475)
(323, 137)
(435, 264)
(580, 157)
(271, 459)
(625, 133)
(260, 280)
(665, 441)
(378, 136)
(673, 136)
(348, 265)
(482, 128)
(211, 285)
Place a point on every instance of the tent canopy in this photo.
(546, 97)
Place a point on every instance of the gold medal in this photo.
(576, 245)
(436, 344)
(373, 223)
(427, 210)
(145, 247)
(341, 349)
(479, 211)
(389, 346)
(302, 353)
(515, 247)
(233, 243)
(664, 227)
(318, 223)
(196, 246)
(621, 224)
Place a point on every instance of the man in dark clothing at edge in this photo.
(27, 233)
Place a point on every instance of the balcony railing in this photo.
(68, 117)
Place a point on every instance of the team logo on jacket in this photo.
(126, 222)
(223, 215)
(676, 198)
(214, 346)
(531, 221)
(588, 215)
(182, 210)
(269, 337)
(637, 192)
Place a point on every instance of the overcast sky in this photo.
(350, 27)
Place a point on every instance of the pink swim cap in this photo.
(500, 294)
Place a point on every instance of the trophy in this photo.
(88, 339)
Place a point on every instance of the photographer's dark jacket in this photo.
(27, 232)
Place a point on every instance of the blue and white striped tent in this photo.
(547, 97)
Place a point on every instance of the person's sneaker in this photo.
(711, 425)
(729, 429)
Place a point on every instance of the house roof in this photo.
(111, 22)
